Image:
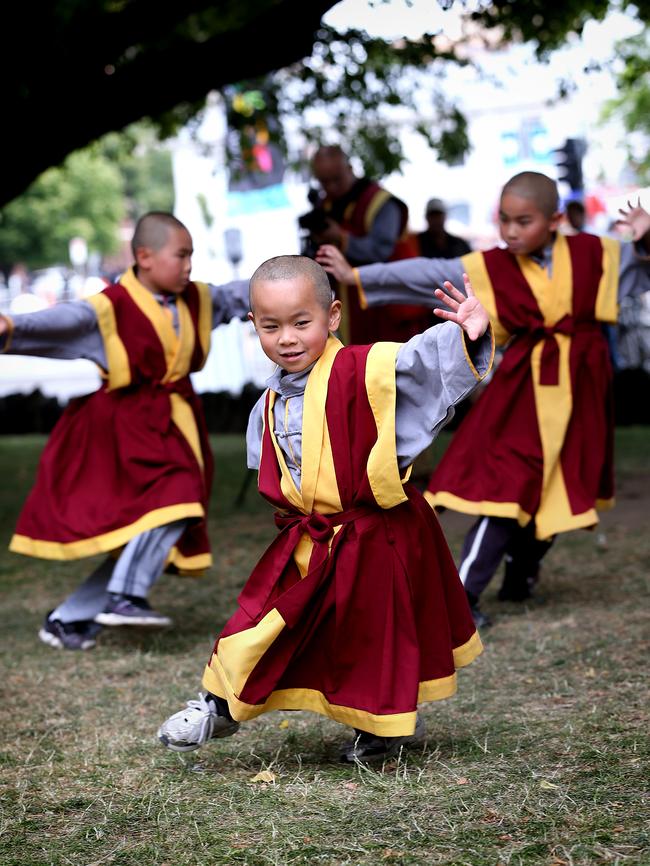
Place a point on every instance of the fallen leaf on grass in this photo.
(462, 781)
(284, 724)
(548, 786)
(263, 776)
(351, 786)
(591, 673)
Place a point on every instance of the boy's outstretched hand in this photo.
(636, 218)
(467, 312)
(335, 263)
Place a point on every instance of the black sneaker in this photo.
(369, 749)
(68, 635)
(481, 620)
(129, 610)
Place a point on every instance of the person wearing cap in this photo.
(435, 242)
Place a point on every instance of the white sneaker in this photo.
(195, 725)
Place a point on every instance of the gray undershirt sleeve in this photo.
(634, 273)
(409, 281)
(432, 374)
(229, 301)
(66, 331)
(380, 241)
(254, 434)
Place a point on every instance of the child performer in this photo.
(355, 611)
(127, 470)
(545, 421)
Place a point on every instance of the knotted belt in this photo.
(549, 373)
(255, 598)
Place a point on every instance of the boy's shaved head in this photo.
(537, 187)
(152, 230)
(289, 268)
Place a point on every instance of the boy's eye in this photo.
(302, 322)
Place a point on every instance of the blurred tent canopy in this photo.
(73, 70)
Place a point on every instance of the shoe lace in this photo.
(208, 716)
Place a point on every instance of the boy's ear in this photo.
(335, 316)
(251, 317)
(555, 221)
(143, 257)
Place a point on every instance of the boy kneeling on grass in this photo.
(356, 610)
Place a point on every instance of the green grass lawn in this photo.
(540, 759)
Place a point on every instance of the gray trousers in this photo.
(490, 540)
(134, 572)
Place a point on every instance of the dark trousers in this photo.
(490, 540)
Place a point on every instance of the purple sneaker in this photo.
(121, 610)
(68, 635)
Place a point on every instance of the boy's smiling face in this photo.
(293, 326)
(167, 270)
(524, 227)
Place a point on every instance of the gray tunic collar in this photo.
(289, 384)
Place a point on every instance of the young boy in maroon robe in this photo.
(127, 470)
(355, 611)
(545, 421)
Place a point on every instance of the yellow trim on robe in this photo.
(239, 653)
(478, 376)
(605, 504)
(553, 294)
(117, 358)
(484, 506)
(607, 297)
(363, 298)
(383, 470)
(319, 487)
(378, 201)
(109, 540)
(183, 417)
(313, 438)
(182, 362)
(178, 354)
(9, 332)
(467, 652)
(226, 677)
(554, 403)
(437, 690)
(193, 566)
(395, 725)
(475, 268)
(287, 486)
(204, 319)
(149, 307)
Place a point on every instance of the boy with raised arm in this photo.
(355, 611)
(545, 421)
(127, 470)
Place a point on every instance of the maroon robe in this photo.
(545, 421)
(356, 610)
(135, 454)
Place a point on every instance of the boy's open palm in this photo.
(467, 312)
(636, 218)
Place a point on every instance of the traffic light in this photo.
(570, 163)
